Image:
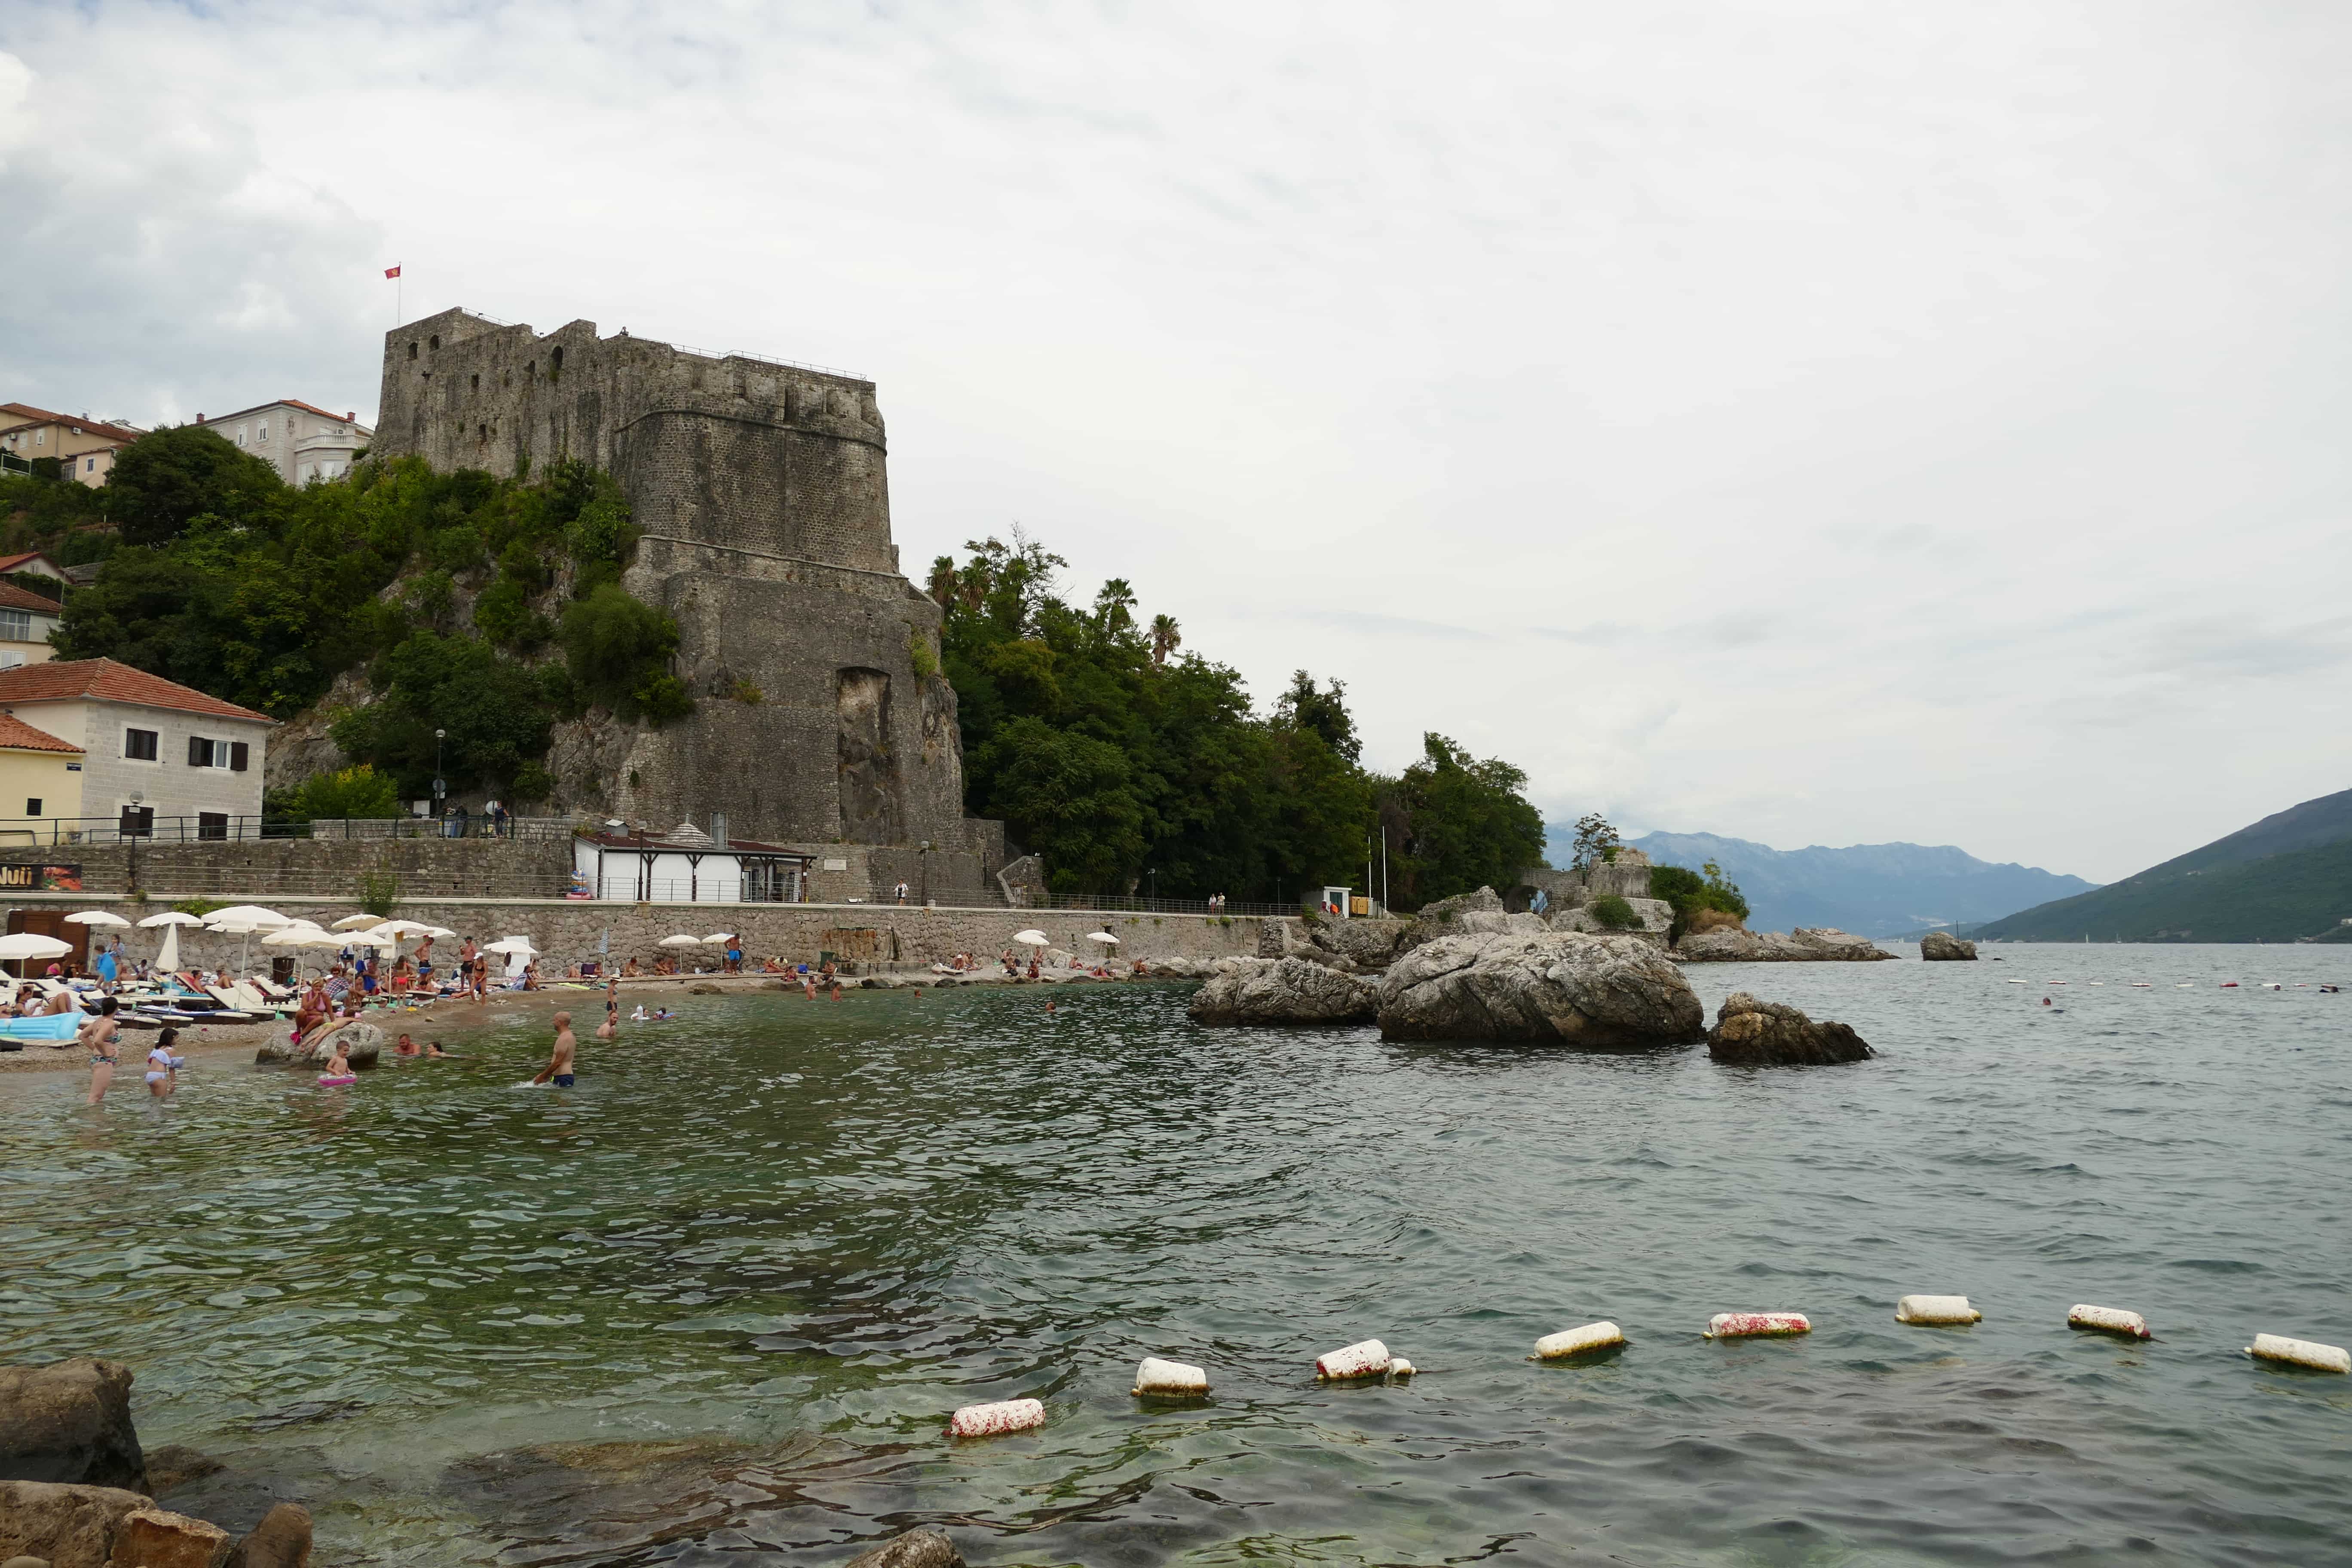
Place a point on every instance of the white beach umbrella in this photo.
(513, 944)
(680, 939)
(405, 927)
(301, 933)
(1034, 938)
(357, 922)
(715, 938)
(167, 957)
(97, 917)
(1102, 936)
(243, 918)
(26, 945)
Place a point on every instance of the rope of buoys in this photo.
(1170, 1380)
(1753, 1325)
(1366, 1357)
(1936, 1311)
(1004, 1415)
(2301, 1352)
(2109, 1320)
(1578, 1341)
(1371, 1357)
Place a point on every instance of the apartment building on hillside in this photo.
(301, 442)
(84, 448)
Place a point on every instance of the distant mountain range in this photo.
(2287, 877)
(1873, 890)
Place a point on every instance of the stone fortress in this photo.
(761, 489)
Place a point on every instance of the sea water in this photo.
(715, 1304)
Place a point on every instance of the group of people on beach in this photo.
(102, 1035)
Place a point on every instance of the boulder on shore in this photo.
(1603, 993)
(1942, 946)
(363, 1042)
(64, 1526)
(1752, 1033)
(1281, 991)
(69, 1422)
(1806, 944)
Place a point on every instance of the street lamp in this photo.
(137, 799)
(440, 783)
(1153, 873)
(927, 873)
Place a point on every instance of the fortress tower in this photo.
(760, 491)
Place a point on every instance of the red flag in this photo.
(392, 272)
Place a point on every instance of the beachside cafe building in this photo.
(685, 866)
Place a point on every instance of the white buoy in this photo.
(1744, 1325)
(1400, 1367)
(1935, 1312)
(1369, 1359)
(988, 1420)
(2301, 1352)
(1170, 1379)
(2108, 1320)
(1576, 1341)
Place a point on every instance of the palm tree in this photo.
(1112, 604)
(942, 585)
(1165, 639)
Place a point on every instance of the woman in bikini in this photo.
(162, 1066)
(100, 1034)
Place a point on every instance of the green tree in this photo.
(1596, 842)
(161, 480)
(354, 792)
(1466, 823)
(619, 650)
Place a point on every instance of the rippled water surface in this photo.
(714, 1304)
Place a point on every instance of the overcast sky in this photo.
(1814, 422)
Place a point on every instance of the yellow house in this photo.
(40, 775)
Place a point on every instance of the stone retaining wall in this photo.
(567, 931)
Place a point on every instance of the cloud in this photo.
(1813, 423)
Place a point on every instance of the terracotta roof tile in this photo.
(64, 679)
(20, 737)
(25, 414)
(15, 735)
(12, 597)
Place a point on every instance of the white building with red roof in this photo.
(191, 761)
(301, 441)
(27, 619)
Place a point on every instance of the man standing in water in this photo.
(559, 1065)
(99, 1034)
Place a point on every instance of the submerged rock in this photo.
(70, 1421)
(1605, 993)
(1281, 991)
(1752, 1033)
(282, 1540)
(1942, 946)
(926, 1547)
(1806, 944)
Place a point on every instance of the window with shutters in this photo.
(15, 626)
(212, 825)
(138, 745)
(240, 756)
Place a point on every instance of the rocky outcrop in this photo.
(1943, 947)
(1750, 1033)
(1806, 944)
(69, 1422)
(64, 1526)
(1605, 993)
(107, 1526)
(362, 1043)
(1365, 943)
(1281, 991)
(1656, 915)
(928, 1547)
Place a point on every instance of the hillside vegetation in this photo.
(2287, 877)
(1131, 764)
(488, 607)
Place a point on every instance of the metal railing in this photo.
(226, 827)
(1114, 903)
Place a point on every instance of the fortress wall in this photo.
(762, 494)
